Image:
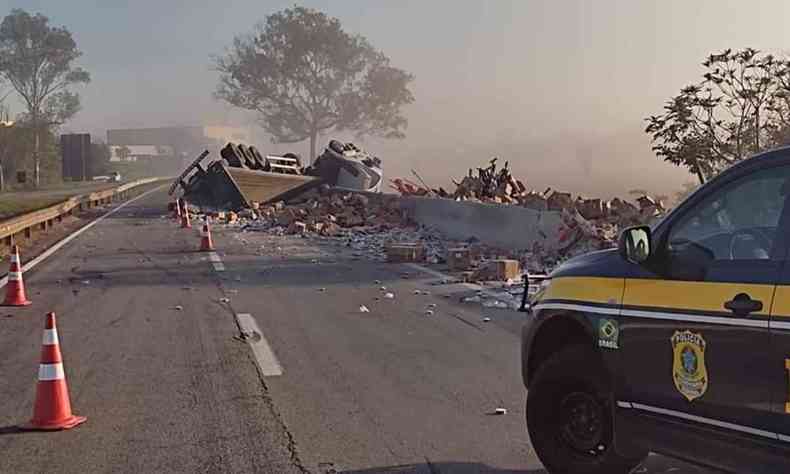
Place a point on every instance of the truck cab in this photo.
(676, 342)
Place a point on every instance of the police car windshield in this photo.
(753, 202)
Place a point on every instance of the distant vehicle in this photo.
(677, 342)
(114, 177)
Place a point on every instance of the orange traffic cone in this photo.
(15, 289)
(52, 410)
(206, 245)
(185, 222)
(177, 214)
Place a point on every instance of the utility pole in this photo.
(5, 126)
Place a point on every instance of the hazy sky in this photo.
(560, 88)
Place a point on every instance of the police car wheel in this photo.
(569, 416)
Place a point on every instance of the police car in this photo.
(676, 342)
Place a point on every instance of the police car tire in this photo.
(572, 368)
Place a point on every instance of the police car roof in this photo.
(760, 159)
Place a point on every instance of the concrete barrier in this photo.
(503, 225)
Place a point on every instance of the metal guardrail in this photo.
(43, 218)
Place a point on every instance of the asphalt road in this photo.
(173, 376)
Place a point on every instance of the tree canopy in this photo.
(304, 75)
(740, 107)
(37, 59)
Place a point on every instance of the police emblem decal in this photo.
(688, 364)
(608, 333)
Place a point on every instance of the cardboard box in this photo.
(499, 270)
(408, 252)
(459, 259)
(506, 269)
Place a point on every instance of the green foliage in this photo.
(740, 107)
(304, 75)
(36, 59)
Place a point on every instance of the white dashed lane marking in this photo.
(216, 261)
(264, 355)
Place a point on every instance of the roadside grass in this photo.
(11, 205)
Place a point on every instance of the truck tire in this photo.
(569, 416)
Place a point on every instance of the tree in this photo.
(741, 107)
(303, 75)
(123, 152)
(37, 60)
(5, 136)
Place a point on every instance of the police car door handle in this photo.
(743, 304)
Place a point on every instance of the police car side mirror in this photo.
(635, 244)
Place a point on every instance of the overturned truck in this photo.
(243, 175)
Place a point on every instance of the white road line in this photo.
(264, 355)
(29, 265)
(216, 261)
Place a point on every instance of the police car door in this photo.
(694, 329)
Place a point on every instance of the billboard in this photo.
(75, 149)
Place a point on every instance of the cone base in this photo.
(16, 303)
(65, 424)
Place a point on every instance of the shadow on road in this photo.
(443, 467)
(11, 429)
(654, 464)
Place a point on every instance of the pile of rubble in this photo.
(499, 186)
(588, 224)
(367, 226)
(375, 226)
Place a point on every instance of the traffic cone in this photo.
(206, 245)
(15, 289)
(52, 410)
(185, 222)
(177, 214)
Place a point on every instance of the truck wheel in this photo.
(569, 416)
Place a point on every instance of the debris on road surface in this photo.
(224, 300)
(389, 296)
(178, 308)
(322, 289)
(379, 227)
(363, 309)
(500, 411)
(486, 319)
(495, 304)
(472, 299)
(428, 312)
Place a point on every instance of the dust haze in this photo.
(558, 89)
